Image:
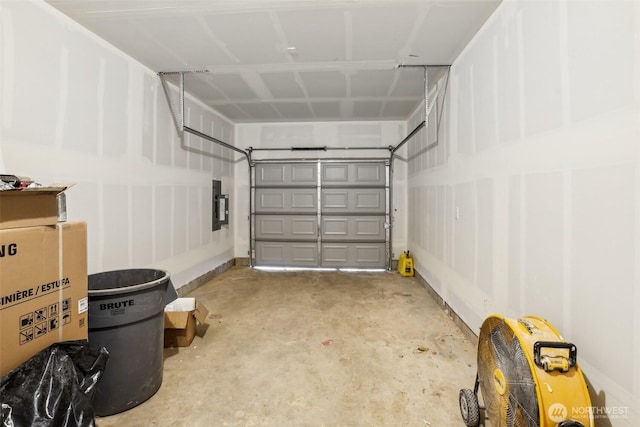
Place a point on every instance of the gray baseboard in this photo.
(466, 330)
(199, 281)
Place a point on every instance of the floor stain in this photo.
(313, 348)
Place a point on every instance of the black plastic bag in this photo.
(53, 388)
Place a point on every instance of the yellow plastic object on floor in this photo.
(405, 264)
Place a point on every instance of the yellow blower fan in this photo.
(529, 377)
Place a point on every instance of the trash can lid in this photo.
(124, 281)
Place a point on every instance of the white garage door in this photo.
(321, 214)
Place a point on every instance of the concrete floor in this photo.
(313, 349)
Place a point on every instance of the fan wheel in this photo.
(469, 407)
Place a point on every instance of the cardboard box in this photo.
(30, 207)
(43, 289)
(180, 321)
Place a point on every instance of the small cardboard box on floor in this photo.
(180, 321)
(43, 289)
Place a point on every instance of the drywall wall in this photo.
(529, 201)
(318, 134)
(75, 109)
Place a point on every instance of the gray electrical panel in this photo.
(220, 204)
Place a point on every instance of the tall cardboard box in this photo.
(43, 289)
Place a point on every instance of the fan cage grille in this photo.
(500, 349)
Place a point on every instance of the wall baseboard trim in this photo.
(466, 330)
(199, 281)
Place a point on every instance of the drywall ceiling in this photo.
(303, 60)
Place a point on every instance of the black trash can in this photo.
(126, 315)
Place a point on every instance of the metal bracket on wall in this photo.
(424, 123)
(427, 105)
(178, 112)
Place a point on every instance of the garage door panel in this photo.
(286, 200)
(271, 253)
(304, 254)
(334, 174)
(335, 228)
(304, 227)
(335, 200)
(369, 254)
(354, 174)
(270, 201)
(304, 200)
(370, 200)
(279, 175)
(369, 228)
(369, 173)
(271, 227)
(335, 254)
(353, 228)
(353, 255)
(280, 227)
(304, 174)
(287, 254)
(354, 200)
(271, 174)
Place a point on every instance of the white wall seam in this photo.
(636, 104)
(100, 105)
(7, 52)
(348, 35)
(523, 239)
(567, 176)
(476, 229)
(130, 229)
(567, 258)
(496, 110)
(154, 187)
(636, 313)
(564, 63)
(172, 220)
(100, 228)
(132, 113)
(521, 73)
(63, 90)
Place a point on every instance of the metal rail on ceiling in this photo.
(423, 124)
(178, 116)
(179, 121)
(427, 106)
(324, 159)
(311, 148)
